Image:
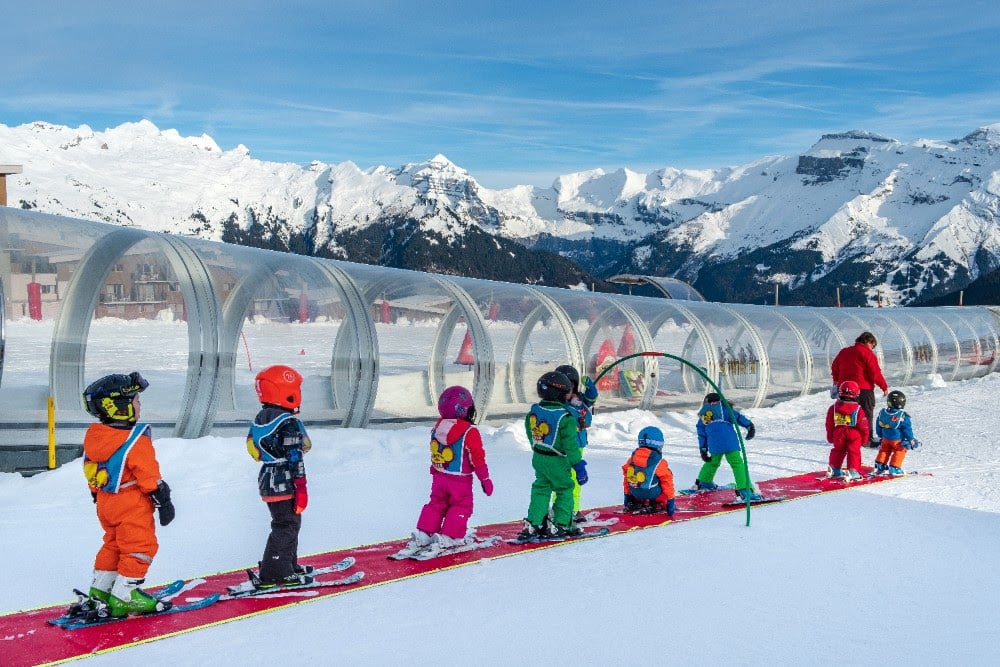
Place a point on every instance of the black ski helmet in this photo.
(896, 399)
(571, 373)
(553, 386)
(712, 397)
(110, 398)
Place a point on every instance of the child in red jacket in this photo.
(847, 431)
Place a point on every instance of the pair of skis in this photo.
(435, 550)
(251, 587)
(586, 533)
(763, 500)
(697, 492)
(77, 617)
(86, 611)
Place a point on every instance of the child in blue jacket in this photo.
(717, 439)
(895, 430)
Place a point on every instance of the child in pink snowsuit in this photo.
(456, 453)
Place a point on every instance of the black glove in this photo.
(705, 456)
(751, 431)
(161, 498)
(93, 495)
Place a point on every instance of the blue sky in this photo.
(515, 92)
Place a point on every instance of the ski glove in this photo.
(751, 431)
(671, 507)
(161, 499)
(301, 495)
(487, 485)
(705, 456)
(589, 390)
(912, 444)
(581, 472)
(834, 392)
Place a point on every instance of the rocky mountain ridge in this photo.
(877, 219)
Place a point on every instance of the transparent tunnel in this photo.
(377, 345)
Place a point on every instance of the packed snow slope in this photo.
(902, 572)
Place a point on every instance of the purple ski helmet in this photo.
(456, 403)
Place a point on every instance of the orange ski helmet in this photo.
(281, 386)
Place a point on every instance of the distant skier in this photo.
(648, 481)
(278, 440)
(895, 430)
(847, 431)
(456, 449)
(552, 432)
(717, 439)
(124, 478)
(582, 406)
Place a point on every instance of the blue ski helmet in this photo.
(651, 437)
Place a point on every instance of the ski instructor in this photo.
(858, 363)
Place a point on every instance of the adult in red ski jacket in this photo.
(858, 363)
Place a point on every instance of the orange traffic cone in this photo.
(465, 357)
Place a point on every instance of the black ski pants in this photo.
(866, 399)
(281, 552)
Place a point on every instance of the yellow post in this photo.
(52, 433)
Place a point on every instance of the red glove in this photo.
(301, 495)
(487, 485)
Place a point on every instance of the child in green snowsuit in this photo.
(552, 432)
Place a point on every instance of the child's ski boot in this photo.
(127, 598)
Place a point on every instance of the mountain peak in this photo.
(440, 160)
(988, 135)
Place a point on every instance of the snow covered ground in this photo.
(899, 573)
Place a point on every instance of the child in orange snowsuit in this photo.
(648, 481)
(124, 479)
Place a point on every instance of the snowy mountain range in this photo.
(878, 219)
